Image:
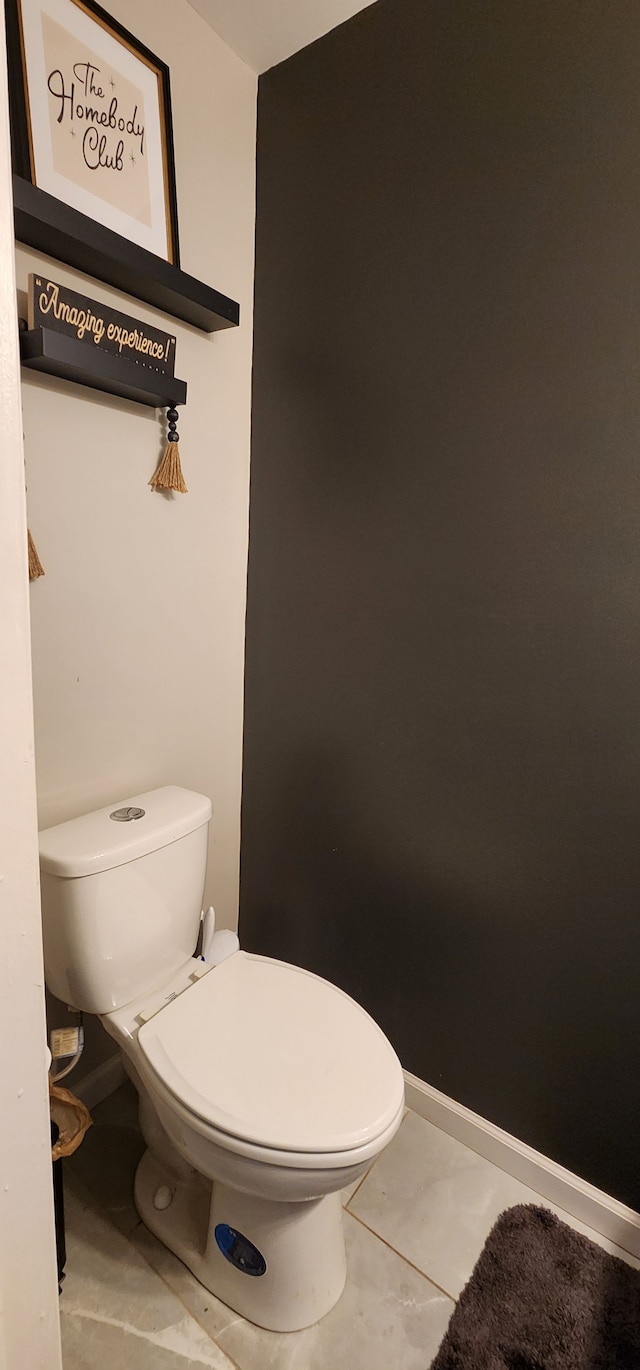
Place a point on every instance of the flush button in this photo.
(126, 815)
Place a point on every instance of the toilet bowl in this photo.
(278, 1090)
(264, 1090)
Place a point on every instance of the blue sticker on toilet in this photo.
(239, 1251)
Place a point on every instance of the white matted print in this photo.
(95, 109)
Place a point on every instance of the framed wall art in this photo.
(91, 119)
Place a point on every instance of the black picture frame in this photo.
(23, 161)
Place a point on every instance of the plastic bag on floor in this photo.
(71, 1117)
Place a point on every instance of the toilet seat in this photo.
(275, 1058)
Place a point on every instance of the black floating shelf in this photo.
(52, 227)
(42, 349)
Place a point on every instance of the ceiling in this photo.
(264, 32)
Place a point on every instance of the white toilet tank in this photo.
(122, 895)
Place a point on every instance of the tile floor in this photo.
(415, 1226)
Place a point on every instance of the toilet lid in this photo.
(276, 1056)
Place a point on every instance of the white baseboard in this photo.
(101, 1082)
(545, 1177)
(551, 1181)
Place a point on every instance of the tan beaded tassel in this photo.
(169, 473)
(36, 568)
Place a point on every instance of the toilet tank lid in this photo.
(97, 842)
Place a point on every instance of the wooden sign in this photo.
(54, 306)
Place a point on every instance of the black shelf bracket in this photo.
(42, 349)
(54, 228)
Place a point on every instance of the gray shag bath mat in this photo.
(542, 1297)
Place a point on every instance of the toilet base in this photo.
(285, 1265)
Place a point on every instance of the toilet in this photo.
(263, 1089)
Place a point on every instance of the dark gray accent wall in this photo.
(442, 752)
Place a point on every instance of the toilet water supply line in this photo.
(65, 1042)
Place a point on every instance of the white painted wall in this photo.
(138, 625)
(264, 32)
(29, 1329)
